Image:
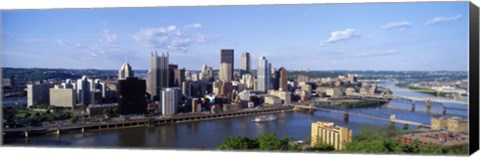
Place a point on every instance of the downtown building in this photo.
(226, 65)
(38, 93)
(62, 97)
(331, 134)
(263, 74)
(158, 75)
(132, 98)
(90, 91)
(169, 101)
(245, 63)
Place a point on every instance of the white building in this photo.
(169, 101)
(263, 74)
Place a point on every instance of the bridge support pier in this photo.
(405, 126)
(346, 117)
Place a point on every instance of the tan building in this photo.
(272, 100)
(350, 91)
(453, 124)
(283, 95)
(62, 97)
(329, 133)
(334, 92)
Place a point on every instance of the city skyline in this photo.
(322, 37)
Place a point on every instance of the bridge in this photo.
(435, 99)
(428, 103)
(347, 114)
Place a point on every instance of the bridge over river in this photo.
(347, 115)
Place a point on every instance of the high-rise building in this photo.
(38, 94)
(282, 79)
(84, 94)
(245, 63)
(263, 74)
(62, 97)
(206, 73)
(132, 98)
(169, 101)
(171, 74)
(125, 71)
(226, 65)
(329, 133)
(158, 76)
(179, 77)
(248, 80)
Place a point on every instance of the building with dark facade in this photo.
(132, 96)
(226, 65)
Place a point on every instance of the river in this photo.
(208, 134)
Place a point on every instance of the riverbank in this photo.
(141, 122)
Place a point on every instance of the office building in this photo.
(169, 101)
(171, 74)
(158, 76)
(38, 93)
(132, 98)
(329, 133)
(206, 74)
(125, 71)
(62, 97)
(263, 74)
(282, 79)
(226, 65)
(245, 63)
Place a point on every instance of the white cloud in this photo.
(442, 19)
(169, 37)
(193, 26)
(337, 36)
(400, 25)
(108, 37)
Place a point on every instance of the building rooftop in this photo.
(442, 138)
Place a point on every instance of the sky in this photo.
(365, 36)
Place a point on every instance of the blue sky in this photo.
(371, 36)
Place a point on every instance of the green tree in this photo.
(270, 141)
(238, 143)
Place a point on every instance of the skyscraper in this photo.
(131, 96)
(226, 65)
(245, 63)
(125, 71)
(283, 80)
(170, 98)
(263, 74)
(83, 90)
(158, 76)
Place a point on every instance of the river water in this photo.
(209, 134)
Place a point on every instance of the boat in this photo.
(265, 118)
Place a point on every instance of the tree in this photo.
(238, 143)
(270, 141)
